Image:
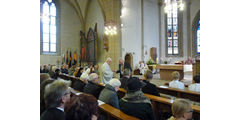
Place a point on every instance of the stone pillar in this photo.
(112, 9)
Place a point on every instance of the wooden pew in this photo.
(162, 105)
(111, 112)
(187, 94)
(71, 78)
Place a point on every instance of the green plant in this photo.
(150, 62)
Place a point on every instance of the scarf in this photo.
(136, 97)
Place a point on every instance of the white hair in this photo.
(84, 76)
(120, 58)
(54, 68)
(87, 71)
(114, 82)
(109, 59)
(93, 76)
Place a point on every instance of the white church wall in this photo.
(131, 30)
(69, 30)
(162, 32)
(150, 27)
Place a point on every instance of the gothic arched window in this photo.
(48, 27)
(172, 32)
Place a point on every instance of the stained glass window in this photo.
(172, 31)
(198, 38)
(48, 26)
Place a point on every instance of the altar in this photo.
(167, 69)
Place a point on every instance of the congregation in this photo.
(58, 101)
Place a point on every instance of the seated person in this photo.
(109, 93)
(41, 69)
(87, 70)
(96, 69)
(52, 71)
(149, 88)
(43, 77)
(189, 60)
(135, 103)
(92, 86)
(56, 95)
(64, 70)
(76, 71)
(92, 69)
(42, 88)
(142, 67)
(196, 85)
(56, 74)
(72, 70)
(125, 78)
(82, 107)
(80, 83)
(79, 73)
(175, 83)
(181, 110)
(45, 69)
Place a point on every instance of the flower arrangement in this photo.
(150, 62)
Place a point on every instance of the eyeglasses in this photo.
(68, 93)
(190, 111)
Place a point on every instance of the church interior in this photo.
(119, 59)
(161, 35)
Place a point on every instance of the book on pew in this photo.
(163, 86)
(100, 102)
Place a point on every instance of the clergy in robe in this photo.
(107, 73)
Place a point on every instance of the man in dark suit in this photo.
(124, 80)
(92, 86)
(123, 65)
(120, 67)
(56, 95)
(149, 88)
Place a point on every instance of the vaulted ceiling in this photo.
(81, 7)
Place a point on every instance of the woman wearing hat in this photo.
(135, 103)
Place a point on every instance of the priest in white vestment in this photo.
(107, 73)
(142, 66)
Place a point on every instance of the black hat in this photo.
(135, 84)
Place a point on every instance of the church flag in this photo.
(75, 58)
(70, 60)
(67, 57)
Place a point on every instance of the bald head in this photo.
(109, 60)
(121, 61)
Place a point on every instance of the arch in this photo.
(102, 9)
(194, 33)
